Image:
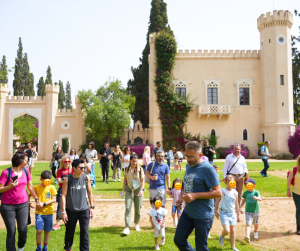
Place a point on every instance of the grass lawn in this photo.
(268, 187)
(109, 238)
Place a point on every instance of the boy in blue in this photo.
(201, 186)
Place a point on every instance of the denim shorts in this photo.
(174, 209)
(252, 217)
(228, 218)
(44, 222)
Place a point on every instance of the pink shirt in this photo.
(147, 157)
(176, 195)
(18, 194)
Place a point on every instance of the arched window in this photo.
(138, 127)
(213, 132)
(245, 134)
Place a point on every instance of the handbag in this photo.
(214, 156)
(147, 180)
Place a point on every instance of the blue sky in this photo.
(87, 42)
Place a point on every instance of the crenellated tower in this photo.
(276, 77)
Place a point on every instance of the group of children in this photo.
(227, 209)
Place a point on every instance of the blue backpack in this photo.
(9, 176)
(259, 151)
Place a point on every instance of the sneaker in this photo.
(103, 180)
(234, 248)
(175, 222)
(162, 241)
(119, 180)
(114, 180)
(262, 174)
(126, 231)
(56, 227)
(255, 235)
(247, 239)
(21, 249)
(298, 230)
(107, 182)
(180, 170)
(221, 241)
(208, 236)
(45, 249)
(137, 228)
(38, 249)
(157, 247)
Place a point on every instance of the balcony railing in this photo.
(218, 110)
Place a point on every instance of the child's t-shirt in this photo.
(158, 216)
(176, 195)
(228, 200)
(252, 205)
(45, 194)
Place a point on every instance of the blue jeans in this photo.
(266, 166)
(93, 168)
(169, 163)
(185, 227)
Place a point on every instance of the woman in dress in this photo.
(133, 186)
(116, 163)
(126, 157)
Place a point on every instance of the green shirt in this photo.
(251, 204)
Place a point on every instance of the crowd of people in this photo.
(196, 200)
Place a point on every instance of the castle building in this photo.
(54, 124)
(241, 96)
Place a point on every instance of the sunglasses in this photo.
(160, 156)
(81, 168)
(67, 161)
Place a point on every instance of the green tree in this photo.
(41, 88)
(61, 96)
(107, 111)
(65, 145)
(68, 102)
(26, 127)
(28, 78)
(18, 74)
(3, 71)
(139, 85)
(296, 75)
(48, 80)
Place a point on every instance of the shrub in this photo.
(213, 140)
(260, 144)
(139, 149)
(222, 152)
(65, 145)
(286, 156)
(294, 142)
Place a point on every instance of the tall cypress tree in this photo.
(139, 85)
(61, 96)
(3, 71)
(18, 74)
(48, 80)
(41, 89)
(68, 104)
(28, 78)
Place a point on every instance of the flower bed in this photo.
(139, 149)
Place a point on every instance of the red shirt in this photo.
(62, 173)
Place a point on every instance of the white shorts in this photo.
(161, 231)
(158, 192)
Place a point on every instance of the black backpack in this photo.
(9, 176)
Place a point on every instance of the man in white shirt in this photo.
(235, 164)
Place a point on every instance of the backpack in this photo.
(259, 151)
(294, 173)
(9, 176)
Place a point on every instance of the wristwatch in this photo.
(170, 188)
(143, 189)
(92, 207)
(36, 199)
(45, 204)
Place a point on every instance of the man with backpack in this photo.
(75, 205)
(264, 153)
(209, 151)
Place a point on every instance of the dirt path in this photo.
(277, 222)
(280, 174)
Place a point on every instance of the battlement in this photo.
(25, 99)
(282, 18)
(4, 88)
(64, 112)
(218, 54)
(52, 88)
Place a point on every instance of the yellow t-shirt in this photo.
(45, 194)
(296, 187)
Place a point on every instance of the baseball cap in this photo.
(250, 180)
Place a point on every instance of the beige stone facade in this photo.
(218, 82)
(136, 135)
(54, 125)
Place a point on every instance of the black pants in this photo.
(58, 200)
(84, 221)
(10, 213)
(105, 169)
